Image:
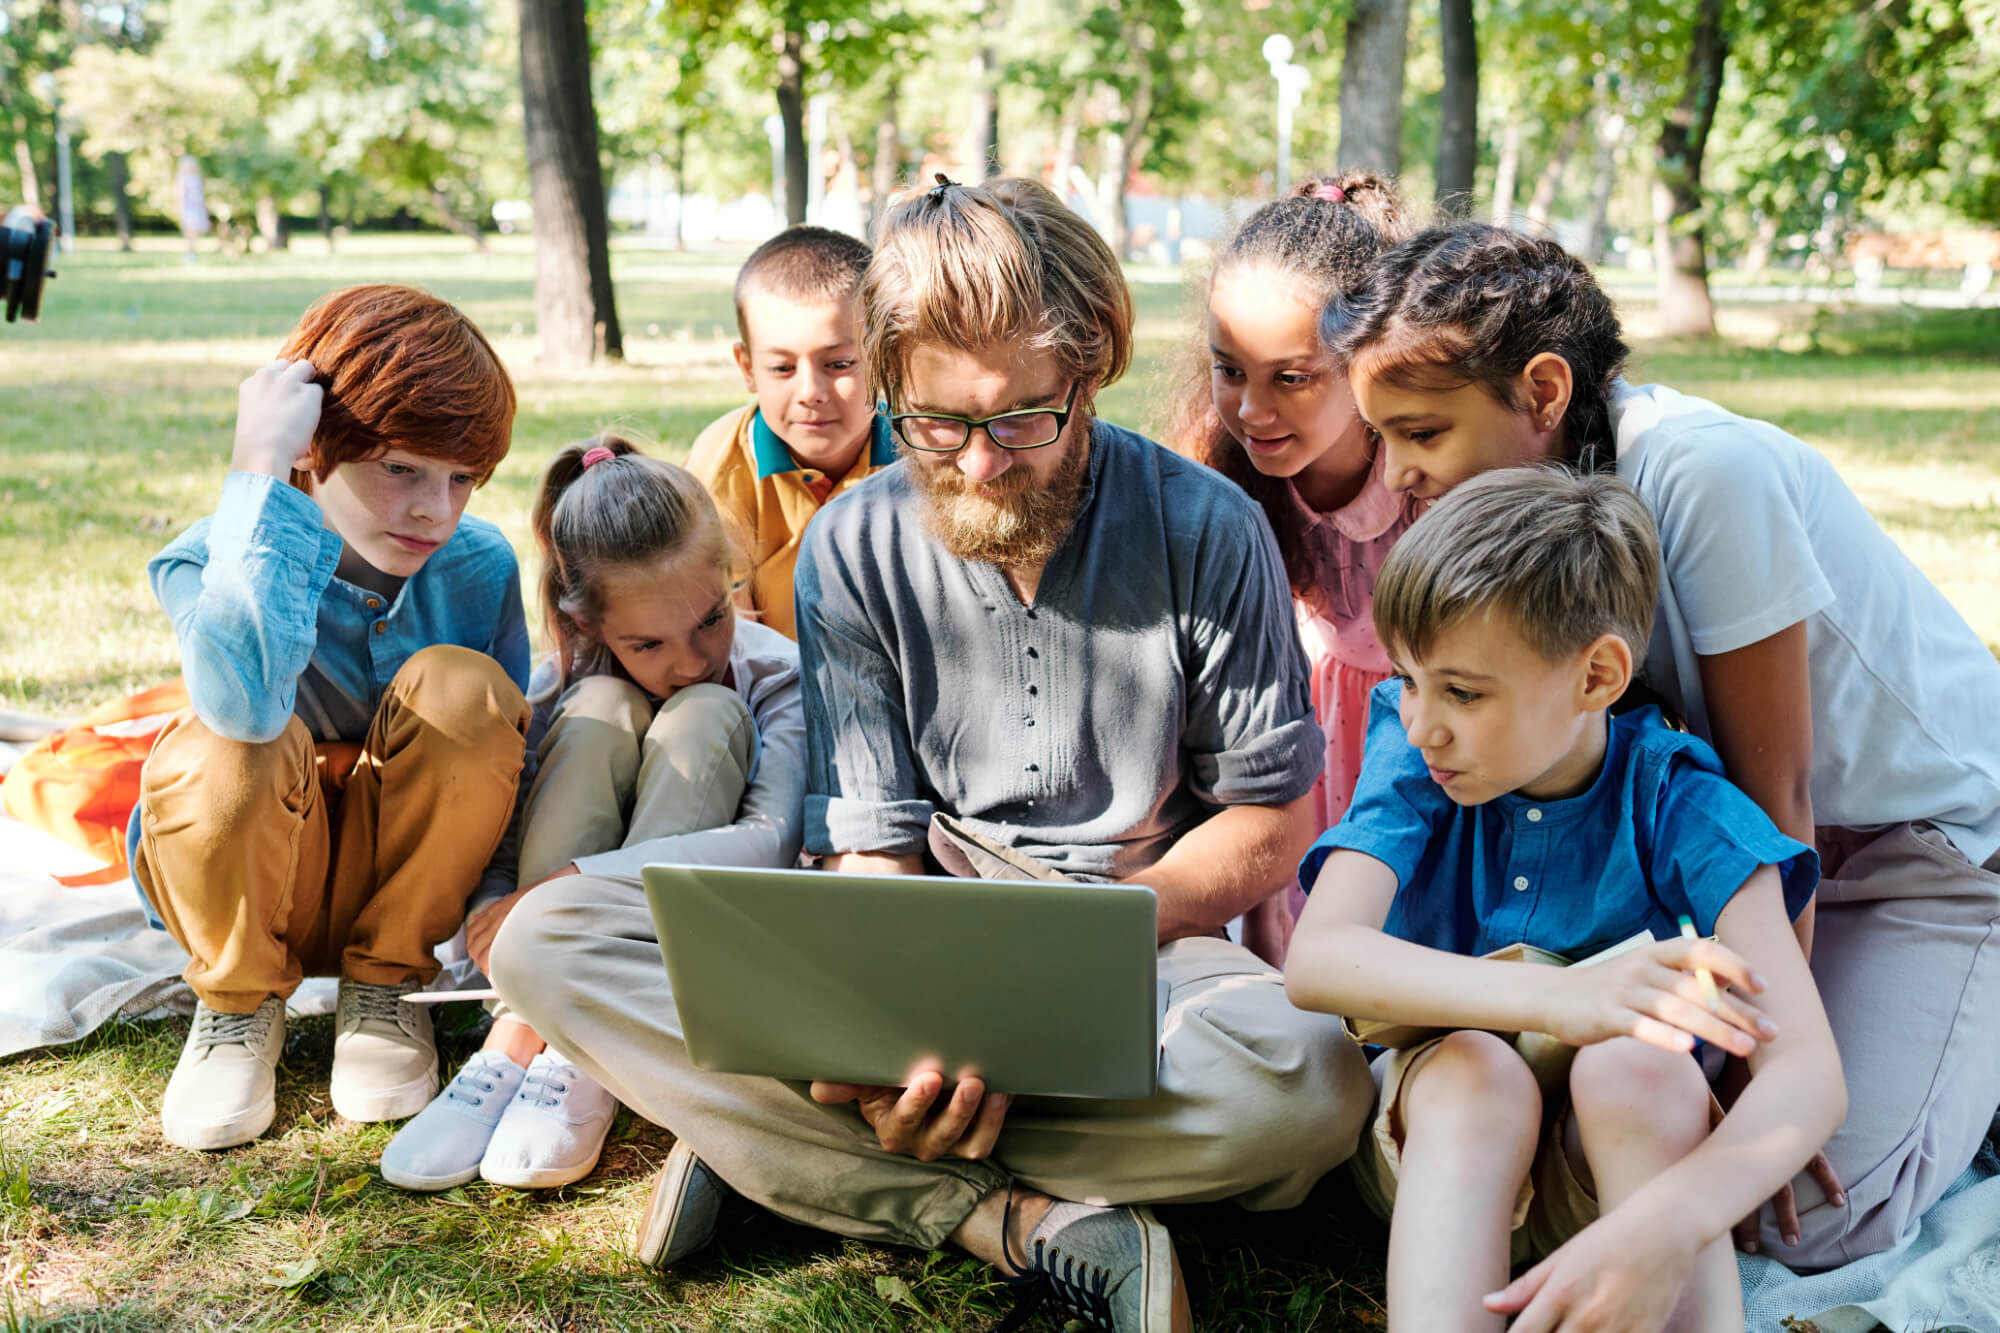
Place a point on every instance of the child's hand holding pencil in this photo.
(1644, 993)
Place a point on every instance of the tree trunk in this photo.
(982, 134)
(121, 197)
(326, 215)
(575, 313)
(1121, 155)
(1680, 249)
(31, 181)
(1757, 257)
(1371, 86)
(1549, 183)
(680, 183)
(1066, 137)
(1507, 171)
(271, 225)
(887, 169)
(792, 111)
(1607, 133)
(1458, 137)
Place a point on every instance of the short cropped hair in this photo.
(969, 266)
(1567, 557)
(810, 265)
(402, 369)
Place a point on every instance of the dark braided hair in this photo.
(1472, 303)
(1324, 236)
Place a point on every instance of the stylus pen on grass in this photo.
(1702, 974)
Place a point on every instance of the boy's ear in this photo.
(1548, 385)
(742, 353)
(1607, 670)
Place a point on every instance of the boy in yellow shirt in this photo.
(812, 431)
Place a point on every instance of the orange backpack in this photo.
(81, 783)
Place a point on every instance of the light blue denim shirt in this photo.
(266, 631)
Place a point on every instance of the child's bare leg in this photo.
(1639, 1110)
(1470, 1115)
(513, 1039)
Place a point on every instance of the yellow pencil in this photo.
(1702, 974)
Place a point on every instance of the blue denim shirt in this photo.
(1660, 833)
(266, 630)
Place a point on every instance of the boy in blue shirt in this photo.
(1501, 805)
(356, 654)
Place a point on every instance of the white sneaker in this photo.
(553, 1130)
(224, 1090)
(442, 1146)
(385, 1063)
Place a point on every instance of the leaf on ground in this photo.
(347, 1189)
(290, 1277)
(894, 1290)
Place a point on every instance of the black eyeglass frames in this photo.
(1024, 428)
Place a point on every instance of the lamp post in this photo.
(1292, 80)
(774, 130)
(65, 209)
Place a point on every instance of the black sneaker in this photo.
(1111, 1267)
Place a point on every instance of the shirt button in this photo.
(1031, 722)
(1033, 653)
(1034, 768)
(374, 603)
(1534, 816)
(381, 627)
(1520, 883)
(1033, 690)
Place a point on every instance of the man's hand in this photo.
(277, 410)
(910, 1120)
(485, 924)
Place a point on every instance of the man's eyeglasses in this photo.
(1025, 428)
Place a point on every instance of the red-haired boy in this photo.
(356, 654)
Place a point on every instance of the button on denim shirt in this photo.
(1659, 833)
(266, 631)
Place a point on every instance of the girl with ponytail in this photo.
(1264, 404)
(665, 729)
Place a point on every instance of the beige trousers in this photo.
(269, 862)
(1257, 1099)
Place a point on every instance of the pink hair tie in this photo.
(1333, 194)
(596, 454)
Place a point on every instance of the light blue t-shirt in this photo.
(1659, 833)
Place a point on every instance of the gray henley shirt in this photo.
(1156, 677)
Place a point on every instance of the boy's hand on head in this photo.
(1654, 994)
(277, 411)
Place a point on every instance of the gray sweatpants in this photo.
(1908, 966)
(1257, 1099)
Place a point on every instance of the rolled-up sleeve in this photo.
(243, 593)
(862, 789)
(1251, 738)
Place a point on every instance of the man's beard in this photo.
(1012, 520)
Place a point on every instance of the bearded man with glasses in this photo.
(1081, 647)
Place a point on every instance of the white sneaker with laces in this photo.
(385, 1064)
(442, 1146)
(224, 1090)
(553, 1130)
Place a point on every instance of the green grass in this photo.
(115, 423)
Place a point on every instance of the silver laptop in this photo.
(1043, 989)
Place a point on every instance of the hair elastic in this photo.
(1333, 194)
(596, 454)
(944, 183)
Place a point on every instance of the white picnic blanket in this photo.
(74, 958)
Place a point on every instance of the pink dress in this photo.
(1338, 630)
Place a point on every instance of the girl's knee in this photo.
(707, 710)
(609, 699)
(1628, 1083)
(1473, 1077)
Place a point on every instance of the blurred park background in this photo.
(1793, 202)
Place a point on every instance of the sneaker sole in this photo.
(547, 1178)
(663, 1208)
(1161, 1265)
(428, 1184)
(233, 1133)
(397, 1103)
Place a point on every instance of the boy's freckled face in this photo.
(396, 509)
(1491, 715)
(803, 362)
